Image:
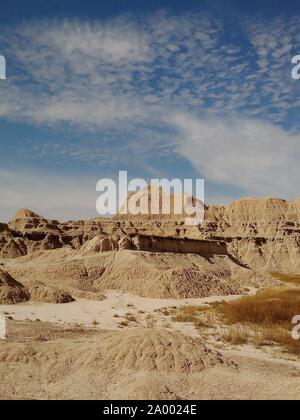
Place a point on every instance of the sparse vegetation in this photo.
(184, 317)
(281, 336)
(191, 314)
(165, 312)
(123, 324)
(288, 278)
(192, 309)
(202, 323)
(131, 318)
(150, 321)
(236, 335)
(269, 307)
(273, 310)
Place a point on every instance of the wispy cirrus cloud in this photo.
(123, 69)
(181, 85)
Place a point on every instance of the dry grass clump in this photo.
(288, 278)
(269, 307)
(165, 312)
(236, 335)
(192, 309)
(273, 310)
(183, 317)
(194, 314)
(206, 321)
(131, 318)
(123, 324)
(278, 335)
(150, 321)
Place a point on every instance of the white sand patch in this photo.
(106, 314)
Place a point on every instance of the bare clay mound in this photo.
(48, 294)
(11, 291)
(108, 365)
(146, 274)
(152, 350)
(137, 349)
(179, 276)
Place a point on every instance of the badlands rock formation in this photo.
(11, 291)
(236, 247)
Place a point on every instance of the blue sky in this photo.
(161, 89)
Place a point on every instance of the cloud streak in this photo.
(256, 156)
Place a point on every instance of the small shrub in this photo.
(201, 323)
(165, 312)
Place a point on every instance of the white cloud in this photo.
(257, 156)
(107, 73)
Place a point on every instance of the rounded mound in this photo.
(11, 291)
(49, 294)
(152, 350)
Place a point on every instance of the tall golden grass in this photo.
(269, 307)
(272, 309)
(288, 278)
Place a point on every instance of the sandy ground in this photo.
(261, 373)
(106, 314)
